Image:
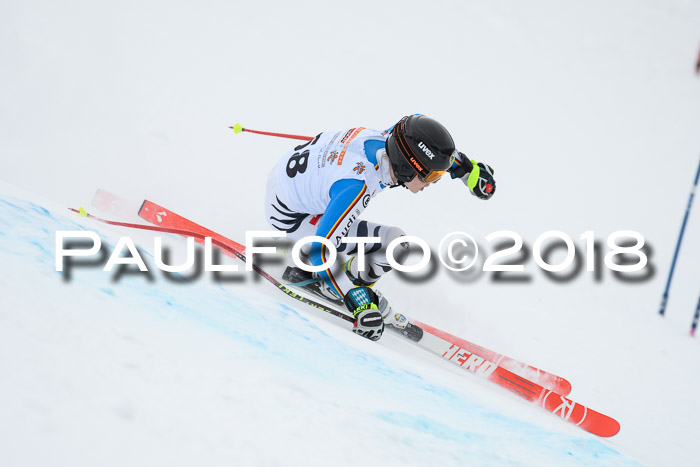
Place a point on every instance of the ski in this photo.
(435, 342)
(462, 353)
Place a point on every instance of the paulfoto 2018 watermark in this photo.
(457, 251)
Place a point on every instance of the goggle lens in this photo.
(435, 175)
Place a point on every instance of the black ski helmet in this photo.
(421, 146)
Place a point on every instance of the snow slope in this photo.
(100, 371)
(588, 111)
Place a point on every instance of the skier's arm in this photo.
(349, 197)
(477, 176)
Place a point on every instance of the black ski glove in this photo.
(477, 176)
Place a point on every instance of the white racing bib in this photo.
(306, 173)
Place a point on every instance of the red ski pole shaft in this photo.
(237, 128)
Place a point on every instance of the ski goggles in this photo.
(426, 175)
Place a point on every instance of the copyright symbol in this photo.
(461, 249)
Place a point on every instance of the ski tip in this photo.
(692, 333)
(82, 212)
(237, 128)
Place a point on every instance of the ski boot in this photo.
(363, 303)
(306, 280)
(395, 319)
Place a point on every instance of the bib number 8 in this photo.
(297, 164)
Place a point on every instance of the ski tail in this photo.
(548, 380)
(115, 205)
(158, 215)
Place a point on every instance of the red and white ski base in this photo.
(436, 342)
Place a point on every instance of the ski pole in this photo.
(694, 326)
(237, 128)
(664, 299)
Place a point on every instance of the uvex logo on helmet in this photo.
(419, 145)
(425, 149)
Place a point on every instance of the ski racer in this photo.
(321, 188)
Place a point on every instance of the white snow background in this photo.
(588, 111)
